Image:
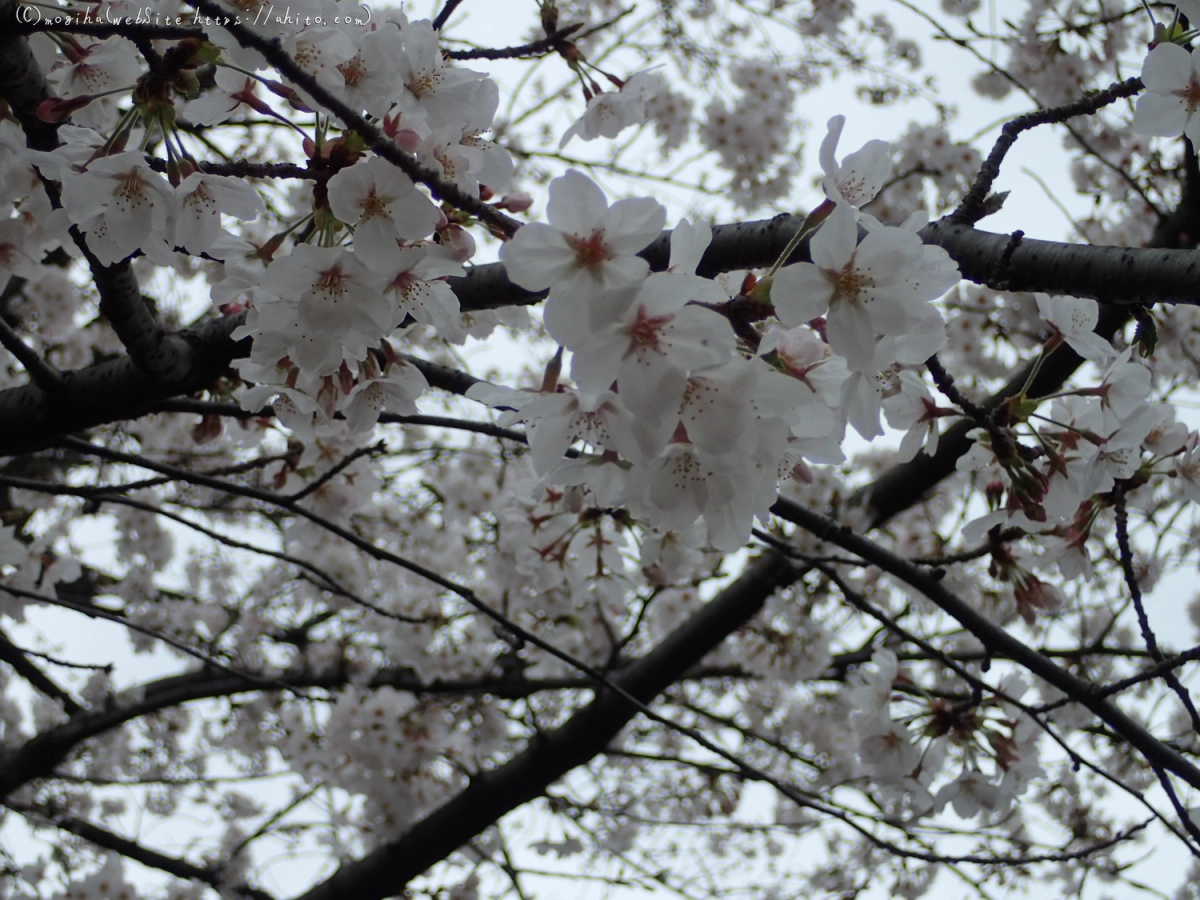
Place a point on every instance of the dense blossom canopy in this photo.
(804, 549)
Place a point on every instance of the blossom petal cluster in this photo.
(686, 423)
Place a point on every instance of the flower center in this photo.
(353, 71)
(851, 283)
(1191, 95)
(373, 205)
(645, 332)
(131, 189)
(331, 282)
(590, 252)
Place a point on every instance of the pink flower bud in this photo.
(517, 201)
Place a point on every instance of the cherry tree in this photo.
(741, 529)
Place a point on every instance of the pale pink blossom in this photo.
(414, 280)
(586, 249)
(382, 204)
(100, 67)
(865, 289)
(396, 391)
(121, 204)
(202, 200)
(1168, 108)
(330, 306)
(1074, 321)
(652, 347)
(970, 794)
(611, 112)
(860, 175)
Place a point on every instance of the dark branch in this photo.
(992, 636)
(153, 859)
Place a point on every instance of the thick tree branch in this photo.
(23, 85)
(111, 391)
(493, 793)
(1119, 275)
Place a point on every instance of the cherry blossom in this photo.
(444, 151)
(98, 67)
(1187, 468)
(654, 343)
(913, 409)
(368, 75)
(860, 175)
(434, 91)
(866, 288)
(121, 204)
(233, 91)
(1074, 321)
(611, 112)
(202, 199)
(1168, 108)
(587, 248)
(414, 279)
(396, 391)
(382, 204)
(321, 52)
(558, 420)
(970, 794)
(329, 307)
(15, 258)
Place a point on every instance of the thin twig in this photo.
(43, 374)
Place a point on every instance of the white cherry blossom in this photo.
(860, 175)
(121, 204)
(1074, 321)
(202, 199)
(369, 76)
(434, 90)
(970, 794)
(382, 204)
(234, 92)
(444, 152)
(559, 419)
(1172, 97)
(414, 280)
(914, 410)
(611, 112)
(98, 67)
(651, 348)
(321, 51)
(1187, 469)
(331, 306)
(396, 391)
(866, 289)
(587, 248)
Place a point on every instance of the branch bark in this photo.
(492, 793)
(119, 389)
(992, 635)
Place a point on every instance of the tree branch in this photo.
(153, 859)
(992, 635)
(495, 792)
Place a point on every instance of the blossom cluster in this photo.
(688, 418)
